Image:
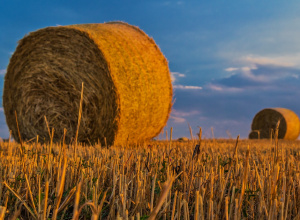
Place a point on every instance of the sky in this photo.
(228, 59)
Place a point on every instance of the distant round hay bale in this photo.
(127, 87)
(265, 122)
(183, 139)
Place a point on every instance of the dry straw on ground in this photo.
(227, 179)
(264, 124)
(127, 88)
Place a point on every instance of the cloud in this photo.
(272, 42)
(248, 73)
(174, 78)
(175, 75)
(255, 71)
(221, 88)
(261, 79)
(2, 72)
(184, 113)
(177, 119)
(187, 87)
(267, 42)
(180, 116)
(1, 109)
(281, 61)
(231, 69)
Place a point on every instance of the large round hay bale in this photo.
(265, 122)
(127, 87)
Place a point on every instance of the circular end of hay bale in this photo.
(265, 122)
(44, 79)
(127, 87)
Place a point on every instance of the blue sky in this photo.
(228, 59)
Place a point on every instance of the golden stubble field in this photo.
(223, 179)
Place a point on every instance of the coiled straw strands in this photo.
(127, 88)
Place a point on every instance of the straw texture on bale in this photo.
(265, 122)
(127, 87)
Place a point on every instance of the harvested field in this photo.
(222, 179)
